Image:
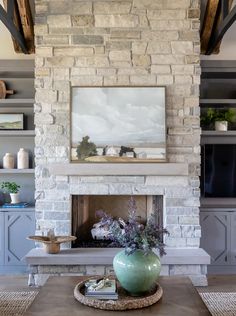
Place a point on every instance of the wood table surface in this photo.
(56, 298)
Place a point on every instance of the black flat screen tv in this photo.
(218, 170)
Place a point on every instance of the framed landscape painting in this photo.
(11, 121)
(118, 124)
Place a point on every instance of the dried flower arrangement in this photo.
(131, 234)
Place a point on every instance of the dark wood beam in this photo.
(221, 30)
(27, 24)
(224, 8)
(7, 19)
(208, 23)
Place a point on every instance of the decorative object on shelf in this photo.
(219, 117)
(124, 301)
(8, 161)
(22, 159)
(137, 267)
(15, 205)
(86, 148)
(52, 243)
(13, 189)
(3, 91)
(221, 126)
(11, 121)
(133, 117)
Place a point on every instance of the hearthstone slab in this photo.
(104, 256)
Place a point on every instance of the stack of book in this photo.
(15, 205)
(107, 292)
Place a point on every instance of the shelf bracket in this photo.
(7, 18)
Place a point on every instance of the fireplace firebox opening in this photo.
(84, 209)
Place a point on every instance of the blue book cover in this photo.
(15, 205)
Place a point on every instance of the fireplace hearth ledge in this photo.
(190, 262)
(104, 256)
(119, 169)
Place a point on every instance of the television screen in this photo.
(218, 177)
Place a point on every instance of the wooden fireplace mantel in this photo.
(119, 169)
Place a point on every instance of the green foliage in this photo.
(213, 115)
(10, 187)
(86, 149)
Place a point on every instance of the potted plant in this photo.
(136, 267)
(220, 118)
(13, 189)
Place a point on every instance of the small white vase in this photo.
(8, 161)
(22, 159)
(221, 126)
(15, 198)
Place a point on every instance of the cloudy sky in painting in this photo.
(118, 116)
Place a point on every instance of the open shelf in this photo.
(216, 133)
(217, 102)
(17, 171)
(16, 102)
(17, 133)
(29, 208)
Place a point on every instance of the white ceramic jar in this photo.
(8, 161)
(22, 159)
(221, 126)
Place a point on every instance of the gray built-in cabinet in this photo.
(17, 223)
(218, 215)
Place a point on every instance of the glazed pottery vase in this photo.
(137, 272)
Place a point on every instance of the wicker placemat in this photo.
(219, 303)
(125, 301)
(15, 303)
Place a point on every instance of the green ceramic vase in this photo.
(137, 272)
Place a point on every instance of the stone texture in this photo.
(87, 39)
(83, 20)
(63, 7)
(74, 51)
(59, 20)
(112, 7)
(116, 20)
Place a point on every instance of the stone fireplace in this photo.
(118, 43)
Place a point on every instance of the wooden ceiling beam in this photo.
(7, 18)
(221, 30)
(208, 23)
(18, 19)
(27, 24)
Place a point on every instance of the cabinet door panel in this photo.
(233, 238)
(1, 238)
(18, 226)
(215, 235)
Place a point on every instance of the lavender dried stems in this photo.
(133, 235)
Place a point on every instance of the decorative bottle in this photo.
(8, 161)
(22, 159)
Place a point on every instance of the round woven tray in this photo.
(125, 302)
